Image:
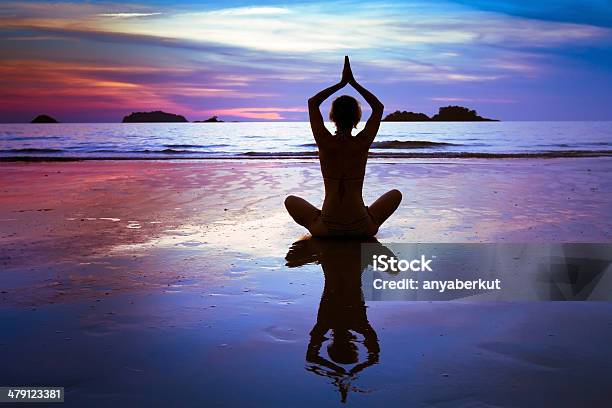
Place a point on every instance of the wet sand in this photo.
(153, 282)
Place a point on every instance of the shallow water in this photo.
(239, 334)
(271, 139)
(209, 302)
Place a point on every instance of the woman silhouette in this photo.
(343, 159)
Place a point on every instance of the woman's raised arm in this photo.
(316, 119)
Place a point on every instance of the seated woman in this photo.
(343, 159)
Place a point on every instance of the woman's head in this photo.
(342, 350)
(345, 112)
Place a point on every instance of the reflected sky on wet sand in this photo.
(200, 301)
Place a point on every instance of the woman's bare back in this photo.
(343, 163)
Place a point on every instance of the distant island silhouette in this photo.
(44, 119)
(403, 116)
(153, 117)
(445, 114)
(212, 119)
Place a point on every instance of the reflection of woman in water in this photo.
(342, 310)
(343, 160)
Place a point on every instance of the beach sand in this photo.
(161, 282)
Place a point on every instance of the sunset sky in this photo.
(98, 61)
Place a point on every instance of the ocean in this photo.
(294, 139)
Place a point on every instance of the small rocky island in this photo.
(213, 119)
(403, 116)
(153, 117)
(445, 114)
(44, 119)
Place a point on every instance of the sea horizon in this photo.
(276, 140)
(203, 122)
